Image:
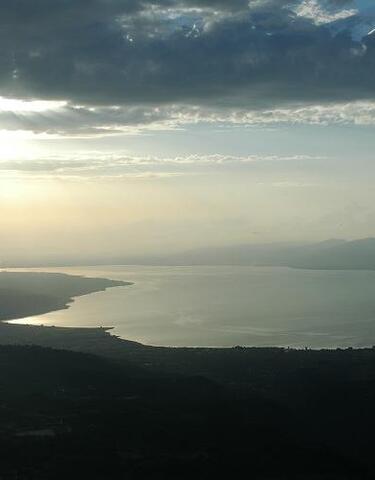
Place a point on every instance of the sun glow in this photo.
(29, 106)
(16, 144)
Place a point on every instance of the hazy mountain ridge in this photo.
(336, 254)
(357, 254)
(330, 254)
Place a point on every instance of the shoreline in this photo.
(28, 294)
(74, 286)
(67, 337)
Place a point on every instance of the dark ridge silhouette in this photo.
(270, 414)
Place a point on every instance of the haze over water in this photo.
(227, 306)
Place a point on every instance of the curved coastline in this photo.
(27, 294)
(21, 299)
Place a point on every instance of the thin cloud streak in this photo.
(95, 165)
(80, 122)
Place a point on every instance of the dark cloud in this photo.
(132, 52)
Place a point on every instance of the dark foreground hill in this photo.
(260, 413)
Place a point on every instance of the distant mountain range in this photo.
(331, 254)
(357, 254)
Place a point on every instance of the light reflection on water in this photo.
(226, 306)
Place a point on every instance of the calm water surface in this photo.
(226, 306)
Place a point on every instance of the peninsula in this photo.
(25, 294)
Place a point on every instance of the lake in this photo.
(227, 306)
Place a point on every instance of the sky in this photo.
(130, 127)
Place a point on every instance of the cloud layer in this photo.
(130, 63)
